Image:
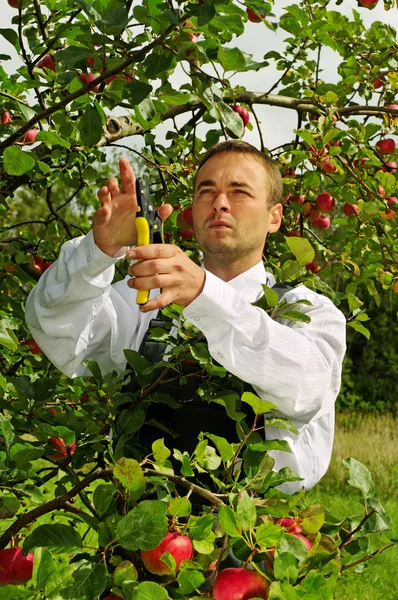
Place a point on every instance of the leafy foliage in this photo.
(77, 485)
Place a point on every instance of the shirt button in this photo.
(220, 355)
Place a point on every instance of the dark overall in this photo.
(194, 415)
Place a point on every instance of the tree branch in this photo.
(55, 504)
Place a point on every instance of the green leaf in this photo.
(298, 13)
(43, 567)
(11, 36)
(176, 98)
(125, 572)
(360, 477)
(312, 518)
(51, 139)
(7, 431)
(224, 448)
(259, 406)
(305, 135)
(160, 452)
(202, 527)
(360, 328)
(231, 59)
(268, 535)
(206, 13)
(269, 300)
(141, 366)
(285, 567)
(179, 507)
(144, 527)
(90, 126)
(246, 511)
(89, 580)
(186, 469)
(302, 250)
(56, 538)
(130, 474)
(72, 54)
(9, 505)
(136, 92)
(294, 315)
(228, 522)
(17, 162)
(148, 590)
(189, 581)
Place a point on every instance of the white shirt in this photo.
(75, 313)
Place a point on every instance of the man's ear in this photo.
(275, 218)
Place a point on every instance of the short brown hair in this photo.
(275, 185)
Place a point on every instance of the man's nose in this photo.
(221, 203)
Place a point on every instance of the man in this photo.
(75, 314)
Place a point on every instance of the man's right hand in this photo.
(114, 222)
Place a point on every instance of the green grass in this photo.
(372, 441)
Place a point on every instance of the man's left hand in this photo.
(167, 267)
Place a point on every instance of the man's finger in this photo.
(127, 176)
(149, 251)
(113, 186)
(160, 301)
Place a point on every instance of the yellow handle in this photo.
(143, 238)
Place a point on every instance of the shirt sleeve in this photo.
(75, 314)
(295, 365)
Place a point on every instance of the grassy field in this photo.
(372, 441)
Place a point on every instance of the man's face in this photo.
(231, 215)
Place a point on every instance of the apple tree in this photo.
(86, 512)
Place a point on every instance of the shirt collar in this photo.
(249, 282)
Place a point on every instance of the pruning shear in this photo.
(148, 223)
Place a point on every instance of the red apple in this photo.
(184, 219)
(305, 540)
(6, 117)
(63, 451)
(179, 546)
(14, 3)
(386, 146)
(289, 173)
(368, 3)
(286, 522)
(46, 63)
(15, 568)
(193, 37)
(392, 201)
(312, 266)
(242, 112)
(29, 137)
(321, 222)
(186, 234)
(52, 412)
(300, 199)
(254, 17)
(85, 398)
(294, 234)
(350, 209)
(381, 190)
(327, 166)
(34, 347)
(240, 584)
(313, 214)
(390, 167)
(378, 83)
(325, 202)
(88, 79)
(90, 61)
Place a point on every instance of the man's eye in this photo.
(206, 191)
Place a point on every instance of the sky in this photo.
(276, 123)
